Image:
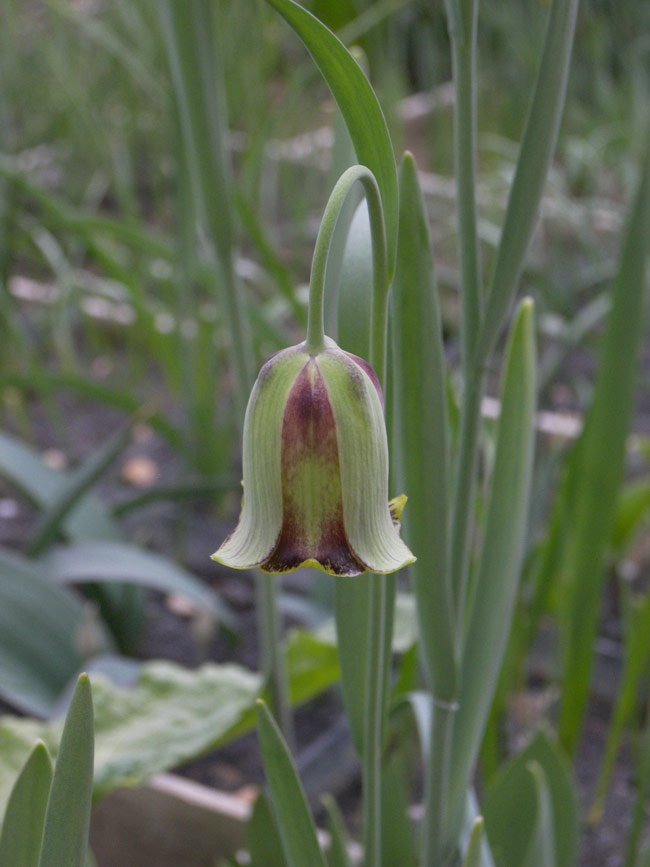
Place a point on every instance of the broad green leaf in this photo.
(421, 420)
(169, 716)
(600, 463)
(312, 663)
(120, 562)
(294, 820)
(67, 818)
(541, 847)
(22, 827)
(511, 808)
(262, 836)
(497, 578)
(337, 854)
(535, 154)
(358, 105)
(76, 485)
(45, 634)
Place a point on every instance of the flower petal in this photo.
(363, 462)
(260, 522)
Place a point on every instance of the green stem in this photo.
(374, 728)
(273, 662)
(315, 341)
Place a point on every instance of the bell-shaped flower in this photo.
(315, 460)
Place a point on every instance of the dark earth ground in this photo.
(192, 533)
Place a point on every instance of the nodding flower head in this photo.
(315, 459)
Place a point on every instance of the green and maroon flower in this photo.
(316, 470)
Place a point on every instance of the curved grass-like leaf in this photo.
(475, 844)
(41, 632)
(22, 827)
(119, 562)
(358, 105)
(421, 419)
(76, 485)
(42, 485)
(67, 818)
(294, 819)
(497, 577)
(513, 807)
(541, 848)
(535, 154)
(600, 463)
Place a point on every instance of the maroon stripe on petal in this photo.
(369, 369)
(312, 524)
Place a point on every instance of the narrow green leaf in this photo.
(337, 855)
(497, 576)
(24, 468)
(535, 154)
(421, 422)
(475, 844)
(294, 819)
(634, 834)
(119, 562)
(43, 630)
(358, 104)
(67, 819)
(600, 463)
(22, 828)
(636, 658)
(79, 483)
(541, 849)
(262, 836)
(397, 842)
(512, 807)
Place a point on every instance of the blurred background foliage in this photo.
(106, 296)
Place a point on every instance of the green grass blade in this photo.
(601, 460)
(634, 835)
(108, 562)
(512, 808)
(358, 104)
(337, 855)
(22, 828)
(78, 484)
(295, 822)
(421, 418)
(262, 836)
(498, 570)
(67, 820)
(40, 625)
(541, 849)
(475, 845)
(535, 154)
